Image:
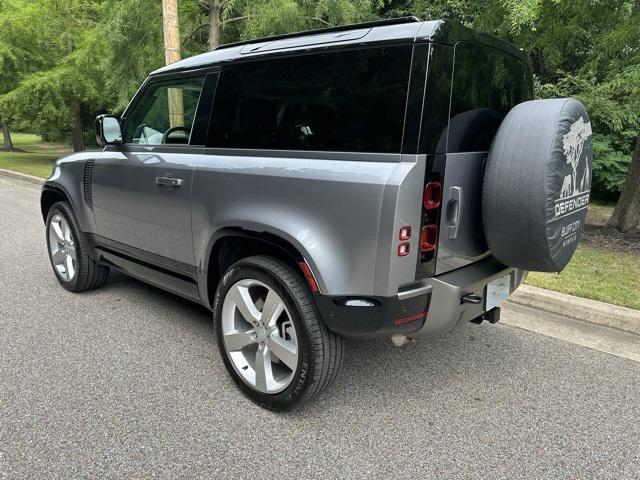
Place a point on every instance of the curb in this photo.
(600, 313)
(21, 176)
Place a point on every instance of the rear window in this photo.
(487, 83)
(350, 101)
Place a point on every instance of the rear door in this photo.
(487, 83)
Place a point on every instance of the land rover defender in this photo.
(393, 178)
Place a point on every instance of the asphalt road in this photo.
(126, 382)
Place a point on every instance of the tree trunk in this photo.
(8, 144)
(171, 28)
(215, 9)
(77, 131)
(171, 31)
(626, 215)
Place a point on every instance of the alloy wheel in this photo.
(62, 248)
(259, 336)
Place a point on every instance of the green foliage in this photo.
(609, 167)
(272, 17)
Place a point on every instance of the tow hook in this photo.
(471, 298)
(492, 316)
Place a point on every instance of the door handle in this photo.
(169, 182)
(454, 211)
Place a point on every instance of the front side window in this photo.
(350, 101)
(165, 113)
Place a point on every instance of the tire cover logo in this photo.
(574, 195)
(575, 174)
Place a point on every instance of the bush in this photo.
(610, 168)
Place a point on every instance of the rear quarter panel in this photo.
(337, 213)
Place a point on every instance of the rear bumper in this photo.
(447, 310)
(423, 309)
(371, 317)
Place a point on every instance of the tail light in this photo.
(432, 195)
(428, 238)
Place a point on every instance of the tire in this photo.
(319, 351)
(85, 273)
(537, 184)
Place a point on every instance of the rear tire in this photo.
(68, 252)
(314, 354)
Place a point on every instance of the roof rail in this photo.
(377, 23)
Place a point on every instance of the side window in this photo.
(487, 83)
(164, 114)
(349, 101)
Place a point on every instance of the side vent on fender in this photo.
(87, 180)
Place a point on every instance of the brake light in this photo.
(428, 238)
(432, 195)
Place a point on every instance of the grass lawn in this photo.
(37, 157)
(608, 276)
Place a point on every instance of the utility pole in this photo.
(171, 29)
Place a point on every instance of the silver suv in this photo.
(364, 181)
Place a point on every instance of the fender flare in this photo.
(271, 239)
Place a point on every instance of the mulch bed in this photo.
(607, 238)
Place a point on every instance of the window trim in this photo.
(310, 154)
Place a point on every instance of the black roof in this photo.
(397, 30)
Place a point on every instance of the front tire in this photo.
(272, 341)
(69, 252)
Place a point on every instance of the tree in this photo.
(54, 92)
(258, 18)
(8, 70)
(626, 215)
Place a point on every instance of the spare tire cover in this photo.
(537, 183)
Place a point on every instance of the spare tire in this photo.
(537, 183)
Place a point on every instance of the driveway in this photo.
(126, 382)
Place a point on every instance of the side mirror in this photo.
(108, 130)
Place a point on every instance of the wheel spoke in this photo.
(237, 340)
(272, 309)
(264, 375)
(285, 350)
(66, 231)
(71, 251)
(68, 265)
(242, 299)
(57, 230)
(58, 257)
